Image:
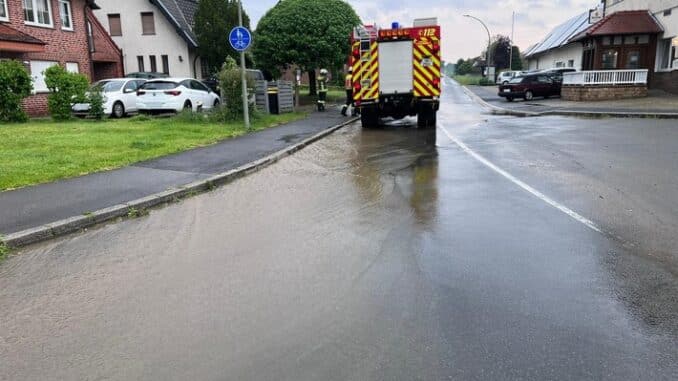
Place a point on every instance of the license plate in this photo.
(507, 90)
(427, 62)
(81, 107)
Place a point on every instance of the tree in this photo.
(214, 20)
(466, 67)
(517, 62)
(309, 34)
(501, 51)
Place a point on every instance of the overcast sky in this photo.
(462, 37)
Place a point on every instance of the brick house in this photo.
(42, 33)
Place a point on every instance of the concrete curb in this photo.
(496, 109)
(584, 114)
(76, 223)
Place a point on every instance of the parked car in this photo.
(506, 76)
(146, 75)
(120, 97)
(557, 73)
(176, 94)
(529, 86)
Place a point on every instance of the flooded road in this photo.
(387, 254)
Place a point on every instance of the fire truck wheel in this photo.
(369, 118)
(426, 119)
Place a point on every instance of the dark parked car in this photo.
(529, 86)
(146, 75)
(213, 82)
(557, 73)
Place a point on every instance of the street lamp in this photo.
(489, 41)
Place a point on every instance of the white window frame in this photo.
(39, 77)
(70, 14)
(35, 15)
(72, 67)
(4, 5)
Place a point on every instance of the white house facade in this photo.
(154, 35)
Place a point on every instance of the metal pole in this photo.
(513, 24)
(246, 110)
(489, 41)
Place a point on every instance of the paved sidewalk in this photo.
(657, 104)
(42, 204)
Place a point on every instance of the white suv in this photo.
(175, 94)
(506, 76)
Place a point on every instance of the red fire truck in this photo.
(396, 72)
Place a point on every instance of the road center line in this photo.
(520, 183)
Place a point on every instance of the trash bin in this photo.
(272, 93)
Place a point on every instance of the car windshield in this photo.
(109, 86)
(159, 85)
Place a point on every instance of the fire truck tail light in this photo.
(358, 87)
(436, 82)
(356, 53)
(436, 48)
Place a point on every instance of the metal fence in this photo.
(605, 77)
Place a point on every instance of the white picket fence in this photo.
(605, 77)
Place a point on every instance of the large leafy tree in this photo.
(501, 51)
(309, 34)
(517, 62)
(214, 20)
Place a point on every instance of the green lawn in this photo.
(41, 151)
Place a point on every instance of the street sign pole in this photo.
(246, 109)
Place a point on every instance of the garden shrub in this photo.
(65, 89)
(15, 85)
(95, 97)
(231, 92)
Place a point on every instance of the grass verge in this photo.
(477, 80)
(42, 151)
(4, 250)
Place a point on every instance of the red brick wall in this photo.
(62, 46)
(105, 70)
(602, 93)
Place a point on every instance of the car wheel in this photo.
(528, 95)
(188, 106)
(118, 110)
(216, 103)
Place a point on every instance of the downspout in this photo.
(195, 73)
(90, 48)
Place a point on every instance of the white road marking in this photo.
(520, 183)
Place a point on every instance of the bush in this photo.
(65, 88)
(96, 103)
(15, 85)
(231, 92)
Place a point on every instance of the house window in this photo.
(72, 67)
(560, 64)
(38, 73)
(38, 12)
(147, 23)
(154, 64)
(4, 14)
(66, 15)
(610, 59)
(633, 60)
(204, 68)
(140, 62)
(667, 12)
(570, 63)
(165, 64)
(114, 26)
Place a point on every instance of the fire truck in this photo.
(396, 72)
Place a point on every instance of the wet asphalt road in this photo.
(387, 254)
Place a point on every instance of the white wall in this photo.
(548, 60)
(133, 43)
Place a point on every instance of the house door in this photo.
(587, 59)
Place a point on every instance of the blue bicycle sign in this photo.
(240, 38)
